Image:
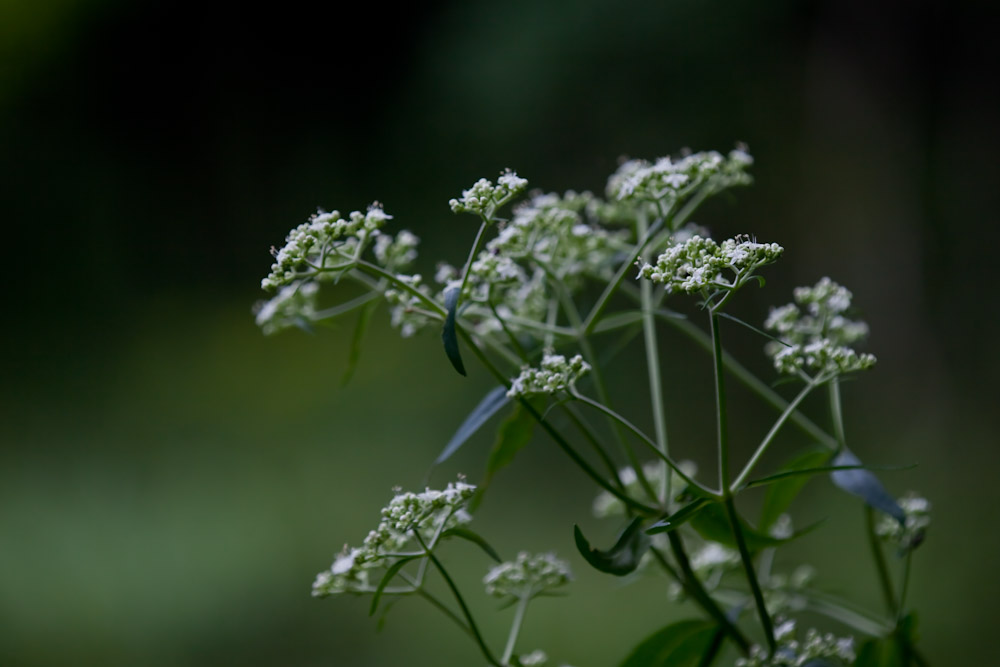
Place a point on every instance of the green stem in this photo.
(751, 381)
(447, 612)
(645, 438)
(588, 434)
(694, 588)
(461, 603)
(515, 628)
(758, 595)
(837, 412)
(885, 582)
(901, 609)
(722, 426)
(653, 368)
(476, 246)
(788, 412)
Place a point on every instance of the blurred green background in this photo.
(171, 480)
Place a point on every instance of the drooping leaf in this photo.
(514, 433)
(448, 335)
(680, 644)
(475, 538)
(678, 518)
(354, 355)
(865, 485)
(386, 578)
(781, 493)
(620, 559)
(491, 403)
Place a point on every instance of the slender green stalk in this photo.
(653, 368)
(881, 567)
(694, 588)
(476, 247)
(758, 594)
(447, 612)
(837, 412)
(515, 628)
(721, 421)
(788, 412)
(904, 588)
(588, 434)
(461, 603)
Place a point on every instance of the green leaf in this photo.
(491, 403)
(782, 492)
(514, 433)
(364, 317)
(865, 485)
(386, 578)
(888, 652)
(712, 523)
(448, 335)
(680, 644)
(620, 559)
(475, 538)
(678, 518)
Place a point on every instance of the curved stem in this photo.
(447, 612)
(515, 628)
(758, 595)
(881, 567)
(722, 425)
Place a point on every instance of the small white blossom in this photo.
(909, 534)
(293, 305)
(484, 198)
(828, 648)
(554, 374)
(527, 576)
(699, 264)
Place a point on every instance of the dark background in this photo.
(171, 480)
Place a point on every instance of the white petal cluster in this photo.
(667, 180)
(909, 534)
(396, 253)
(816, 333)
(527, 576)
(405, 309)
(407, 515)
(700, 264)
(827, 648)
(328, 242)
(293, 305)
(554, 374)
(784, 592)
(484, 198)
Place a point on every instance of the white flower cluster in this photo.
(405, 309)
(293, 305)
(825, 649)
(328, 242)
(554, 374)
(909, 534)
(396, 253)
(783, 593)
(527, 576)
(606, 505)
(408, 514)
(710, 562)
(699, 264)
(818, 339)
(666, 180)
(484, 198)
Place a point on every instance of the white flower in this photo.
(527, 576)
(555, 374)
(484, 198)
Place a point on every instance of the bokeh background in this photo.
(171, 480)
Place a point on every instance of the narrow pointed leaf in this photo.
(680, 644)
(753, 328)
(491, 403)
(386, 578)
(475, 538)
(783, 491)
(448, 335)
(678, 518)
(865, 485)
(513, 435)
(620, 559)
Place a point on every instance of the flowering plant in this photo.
(538, 294)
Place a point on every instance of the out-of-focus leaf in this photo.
(680, 644)
(491, 403)
(448, 335)
(712, 523)
(865, 485)
(364, 317)
(514, 433)
(620, 559)
(781, 493)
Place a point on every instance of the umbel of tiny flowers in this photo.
(816, 648)
(554, 374)
(528, 576)
(484, 198)
(909, 534)
(702, 266)
(409, 517)
(817, 340)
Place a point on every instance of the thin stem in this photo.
(758, 595)
(693, 586)
(588, 434)
(788, 412)
(476, 246)
(901, 609)
(751, 381)
(515, 628)
(885, 581)
(722, 426)
(644, 438)
(447, 612)
(653, 368)
(837, 413)
(461, 603)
